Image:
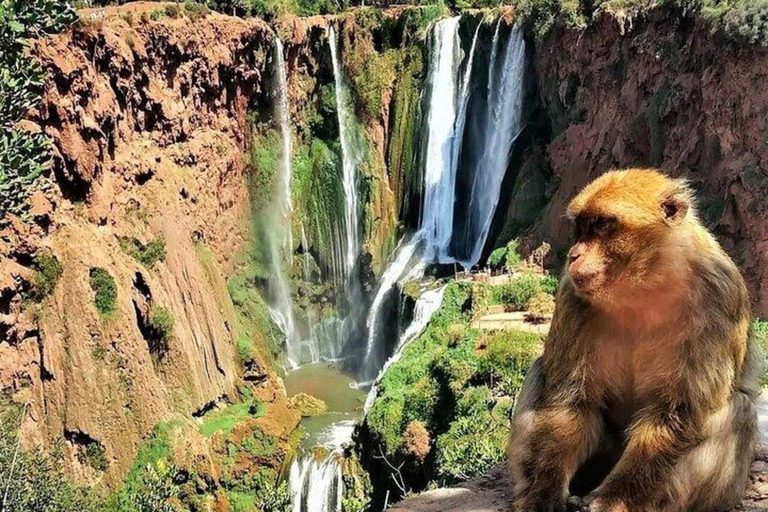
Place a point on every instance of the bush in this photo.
(497, 258)
(416, 441)
(513, 259)
(148, 255)
(103, 284)
(518, 292)
(507, 359)
(48, 271)
(275, 499)
(93, 455)
(195, 10)
(173, 11)
(37, 481)
(161, 329)
(541, 306)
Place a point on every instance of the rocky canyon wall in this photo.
(655, 91)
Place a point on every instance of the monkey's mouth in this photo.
(588, 284)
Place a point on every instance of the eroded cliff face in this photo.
(657, 91)
(149, 133)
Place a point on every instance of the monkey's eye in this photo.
(602, 225)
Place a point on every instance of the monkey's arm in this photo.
(548, 446)
(664, 432)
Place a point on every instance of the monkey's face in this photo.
(623, 225)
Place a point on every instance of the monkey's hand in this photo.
(657, 440)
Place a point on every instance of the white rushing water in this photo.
(351, 155)
(504, 122)
(426, 306)
(404, 256)
(440, 169)
(281, 243)
(443, 236)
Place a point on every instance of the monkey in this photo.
(644, 396)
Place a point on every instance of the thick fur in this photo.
(647, 381)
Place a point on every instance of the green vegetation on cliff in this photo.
(24, 155)
(739, 21)
(456, 386)
(30, 479)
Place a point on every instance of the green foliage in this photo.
(460, 387)
(224, 420)
(497, 257)
(103, 285)
(31, 480)
(513, 258)
(93, 455)
(148, 255)
(24, 156)
(520, 290)
(148, 486)
(507, 358)
(744, 22)
(759, 335)
(275, 499)
(160, 328)
(48, 271)
(195, 10)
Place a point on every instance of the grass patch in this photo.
(48, 271)
(160, 326)
(105, 289)
(148, 255)
(224, 420)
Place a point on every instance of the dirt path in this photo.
(491, 493)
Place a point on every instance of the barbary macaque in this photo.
(644, 397)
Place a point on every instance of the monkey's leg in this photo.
(713, 476)
(548, 443)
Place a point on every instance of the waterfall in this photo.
(281, 242)
(315, 478)
(440, 171)
(351, 155)
(504, 122)
(374, 352)
(426, 306)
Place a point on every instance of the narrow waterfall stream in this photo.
(281, 243)
(453, 228)
(350, 154)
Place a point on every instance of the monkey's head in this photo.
(626, 224)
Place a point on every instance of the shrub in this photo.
(540, 306)
(161, 329)
(93, 455)
(173, 10)
(416, 441)
(48, 271)
(470, 448)
(455, 333)
(103, 284)
(497, 258)
(37, 482)
(518, 292)
(513, 256)
(148, 255)
(507, 359)
(195, 10)
(275, 499)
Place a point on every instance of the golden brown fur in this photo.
(646, 386)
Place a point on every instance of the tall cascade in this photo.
(464, 159)
(503, 123)
(281, 243)
(351, 156)
(440, 168)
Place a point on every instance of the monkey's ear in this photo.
(675, 205)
